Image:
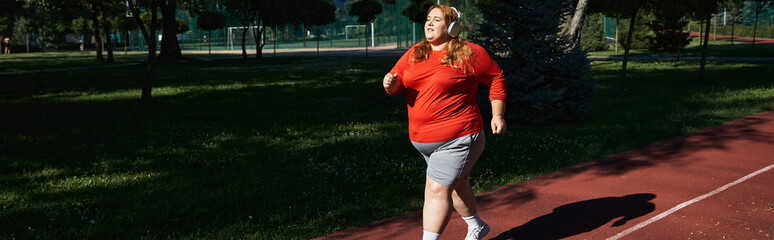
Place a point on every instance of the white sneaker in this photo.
(477, 233)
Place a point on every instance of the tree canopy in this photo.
(181, 25)
(366, 10)
(211, 20)
(416, 11)
(319, 12)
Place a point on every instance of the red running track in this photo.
(739, 39)
(715, 183)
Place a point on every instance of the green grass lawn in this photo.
(292, 148)
(54, 60)
(48, 60)
(714, 48)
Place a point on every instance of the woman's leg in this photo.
(463, 198)
(437, 208)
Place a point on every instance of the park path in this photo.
(714, 183)
(380, 51)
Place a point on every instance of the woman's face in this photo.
(435, 28)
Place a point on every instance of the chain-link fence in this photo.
(389, 29)
(742, 23)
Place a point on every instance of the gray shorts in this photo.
(450, 161)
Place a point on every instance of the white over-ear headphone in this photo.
(455, 28)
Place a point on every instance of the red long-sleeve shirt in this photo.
(441, 100)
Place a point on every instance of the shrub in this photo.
(667, 27)
(641, 34)
(23, 48)
(593, 36)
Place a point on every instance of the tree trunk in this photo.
(150, 39)
(566, 19)
(616, 36)
(366, 39)
(54, 37)
(244, 49)
(577, 22)
(97, 36)
(626, 54)
(689, 26)
(147, 86)
(701, 30)
(715, 31)
(755, 29)
(263, 40)
(258, 42)
(733, 23)
(106, 31)
(704, 49)
(209, 44)
(170, 46)
(318, 41)
(109, 45)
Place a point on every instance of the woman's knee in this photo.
(434, 188)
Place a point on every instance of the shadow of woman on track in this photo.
(579, 217)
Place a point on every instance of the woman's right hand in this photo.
(391, 84)
(389, 80)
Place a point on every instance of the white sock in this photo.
(474, 221)
(430, 235)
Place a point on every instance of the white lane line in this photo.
(685, 204)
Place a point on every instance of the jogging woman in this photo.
(440, 77)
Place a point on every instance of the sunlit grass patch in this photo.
(714, 49)
(129, 94)
(76, 183)
(52, 60)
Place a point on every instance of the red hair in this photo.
(457, 50)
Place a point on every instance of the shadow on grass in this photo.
(683, 106)
(671, 152)
(289, 155)
(306, 71)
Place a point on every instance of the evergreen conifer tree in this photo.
(642, 31)
(668, 26)
(546, 79)
(593, 36)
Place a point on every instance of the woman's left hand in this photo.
(498, 125)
